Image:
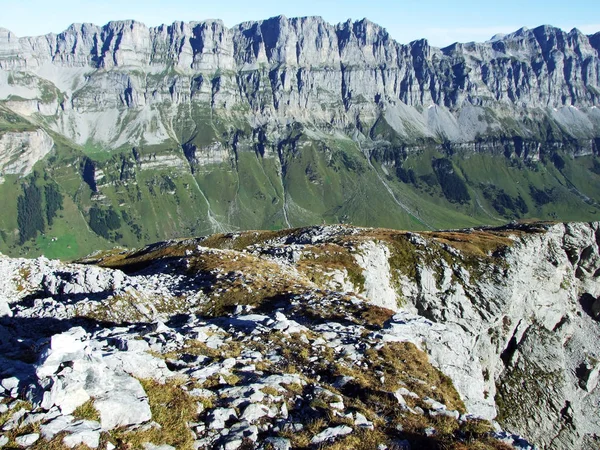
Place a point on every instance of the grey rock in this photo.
(254, 412)
(67, 346)
(232, 444)
(361, 421)
(83, 432)
(202, 393)
(434, 405)
(122, 409)
(443, 91)
(278, 443)
(149, 446)
(244, 430)
(430, 431)
(12, 423)
(139, 364)
(519, 330)
(219, 416)
(27, 439)
(10, 383)
(330, 434)
(596, 309)
(446, 413)
(132, 345)
(50, 429)
(19, 152)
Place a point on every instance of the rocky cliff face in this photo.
(19, 152)
(308, 70)
(509, 315)
(195, 128)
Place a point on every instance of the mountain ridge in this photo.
(78, 26)
(195, 128)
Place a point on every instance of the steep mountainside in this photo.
(196, 128)
(332, 335)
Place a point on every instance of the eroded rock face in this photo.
(525, 321)
(20, 151)
(301, 68)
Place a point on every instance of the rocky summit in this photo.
(125, 134)
(331, 337)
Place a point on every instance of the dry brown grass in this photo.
(130, 261)
(344, 309)
(400, 365)
(477, 243)
(316, 261)
(361, 439)
(404, 362)
(194, 348)
(243, 240)
(376, 316)
(242, 279)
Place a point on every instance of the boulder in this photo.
(330, 434)
(219, 417)
(27, 439)
(85, 432)
(254, 412)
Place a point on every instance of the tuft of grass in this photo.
(303, 438)
(87, 411)
(194, 348)
(405, 360)
(376, 316)
(270, 390)
(245, 239)
(360, 439)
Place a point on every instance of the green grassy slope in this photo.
(304, 177)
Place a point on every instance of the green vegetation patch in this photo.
(30, 217)
(87, 411)
(505, 204)
(10, 121)
(54, 202)
(453, 186)
(104, 222)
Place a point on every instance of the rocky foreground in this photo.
(325, 337)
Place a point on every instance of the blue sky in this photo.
(440, 21)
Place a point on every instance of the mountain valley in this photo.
(124, 134)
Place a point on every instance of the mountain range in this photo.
(125, 134)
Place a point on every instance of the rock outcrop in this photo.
(285, 328)
(19, 152)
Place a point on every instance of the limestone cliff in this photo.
(308, 70)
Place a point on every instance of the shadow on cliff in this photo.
(587, 304)
(23, 338)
